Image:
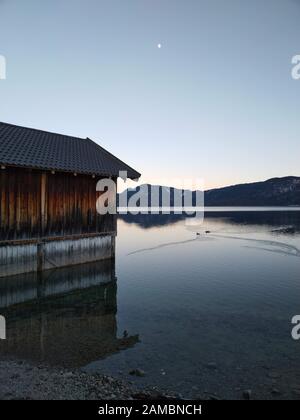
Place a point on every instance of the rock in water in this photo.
(137, 372)
(211, 365)
(247, 394)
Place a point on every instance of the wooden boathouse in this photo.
(48, 215)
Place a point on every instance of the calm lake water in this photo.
(203, 315)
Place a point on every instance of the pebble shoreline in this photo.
(24, 381)
(21, 380)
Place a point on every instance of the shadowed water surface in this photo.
(207, 314)
(213, 311)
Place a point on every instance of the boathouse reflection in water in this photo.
(64, 317)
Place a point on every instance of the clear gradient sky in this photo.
(216, 101)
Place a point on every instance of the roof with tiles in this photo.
(37, 149)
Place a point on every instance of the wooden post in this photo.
(43, 204)
(40, 256)
(43, 216)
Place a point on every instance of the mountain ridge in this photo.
(278, 191)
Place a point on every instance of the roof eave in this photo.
(134, 176)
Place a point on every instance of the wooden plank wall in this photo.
(19, 204)
(36, 204)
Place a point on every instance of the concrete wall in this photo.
(30, 257)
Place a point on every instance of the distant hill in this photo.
(273, 192)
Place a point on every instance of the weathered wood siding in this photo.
(19, 204)
(35, 204)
